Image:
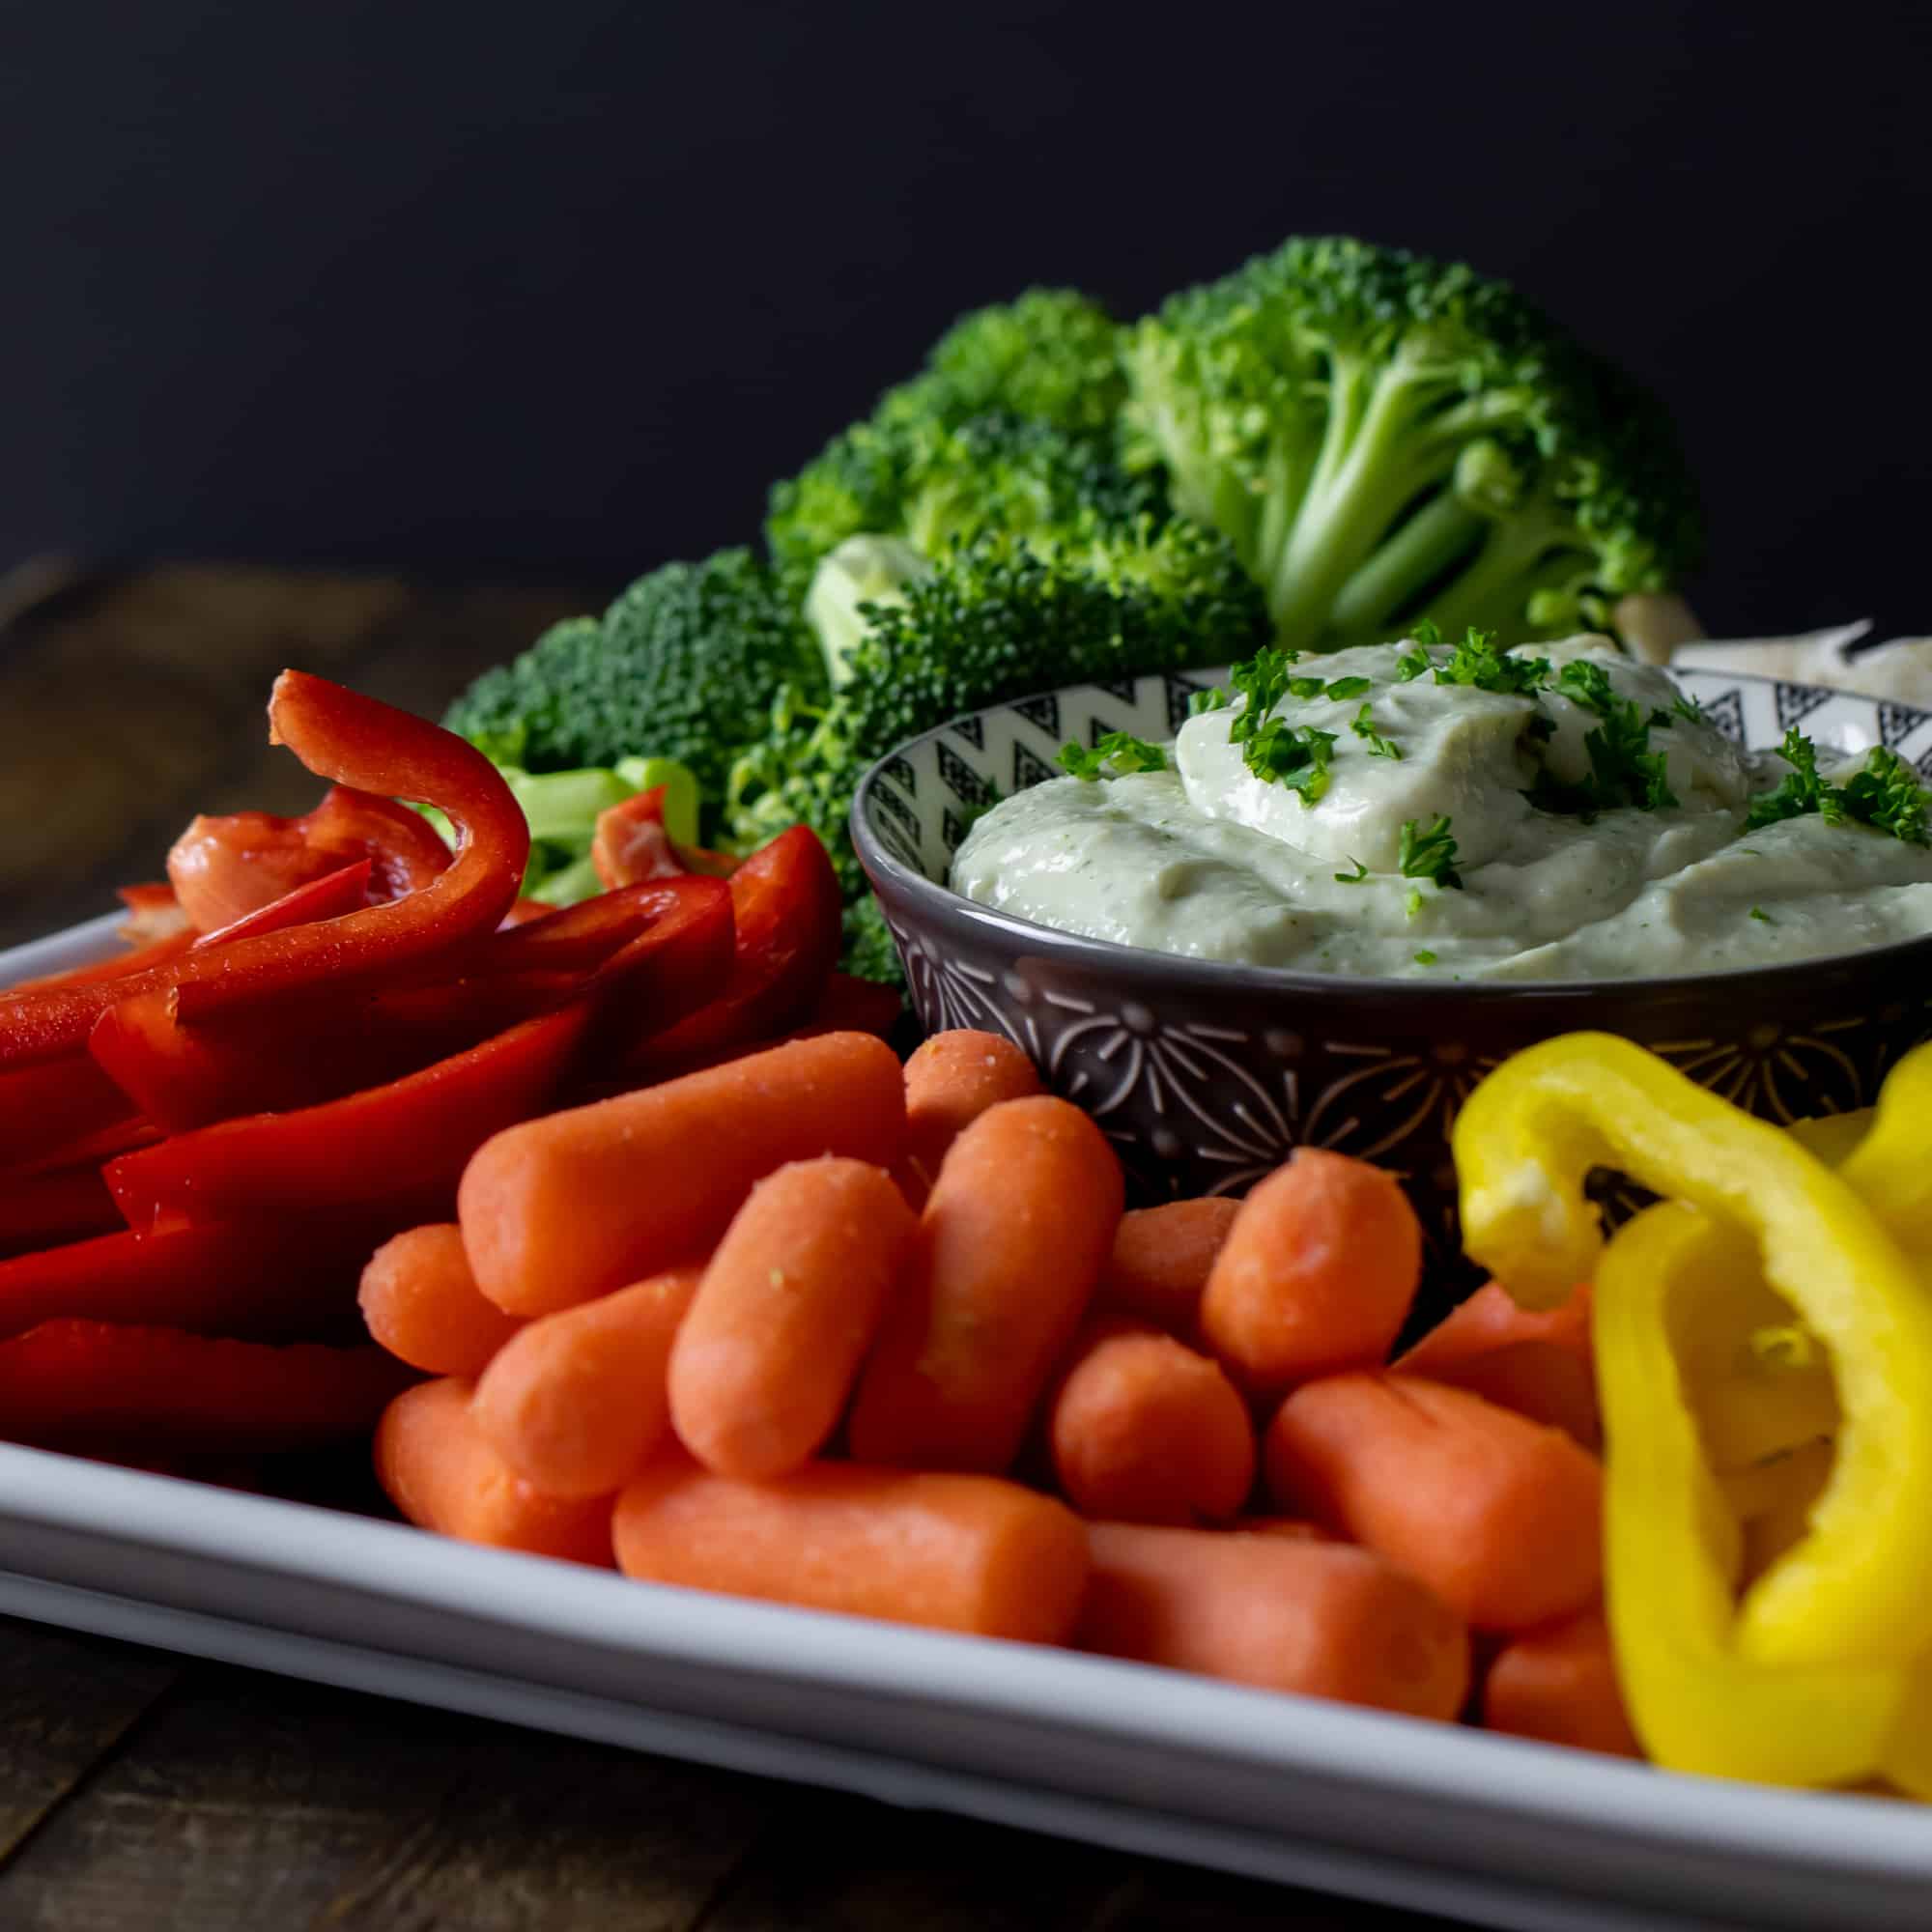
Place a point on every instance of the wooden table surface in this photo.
(139, 1791)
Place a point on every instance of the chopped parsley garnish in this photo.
(1884, 793)
(1411, 666)
(1294, 755)
(1429, 854)
(1113, 756)
(1263, 680)
(1424, 958)
(1413, 904)
(1213, 698)
(1477, 662)
(1364, 726)
(1758, 911)
(1691, 711)
(1350, 687)
(1887, 796)
(1624, 771)
(1354, 878)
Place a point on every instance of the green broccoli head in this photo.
(1036, 388)
(1384, 437)
(1049, 354)
(997, 618)
(684, 665)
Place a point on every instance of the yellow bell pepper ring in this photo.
(1858, 1589)
(1892, 1165)
(1673, 1546)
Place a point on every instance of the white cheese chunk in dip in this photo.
(1211, 861)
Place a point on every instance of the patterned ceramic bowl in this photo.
(1205, 1075)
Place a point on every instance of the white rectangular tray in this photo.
(1425, 1816)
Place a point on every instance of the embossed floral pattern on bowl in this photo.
(1205, 1075)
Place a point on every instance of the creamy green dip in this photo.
(1210, 860)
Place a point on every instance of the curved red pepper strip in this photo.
(93, 1382)
(373, 747)
(44, 1107)
(786, 904)
(122, 966)
(47, 1209)
(399, 1147)
(326, 897)
(265, 1283)
(668, 943)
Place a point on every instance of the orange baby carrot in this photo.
(1500, 1515)
(1161, 1261)
(1324, 1619)
(560, 1209)
(577, 1404)
(954, 1552)
(1144, 1430)
(1009, 1246)
(422, 1303)
(788, 1306)
(434, 1464)
(950, 1080)
(1535, 1362)
(1560, 1684)
(1317, 1272)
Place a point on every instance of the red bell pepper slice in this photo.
(397, 1150)
(44, 1108)
(785, 904)
(375, 747)
(66, 1205)
(330, 896)
(673, 938)
(260, 1282)
(136, 959)
(93, 1384)
(223, 869)
(152, 912)
(851, 1005)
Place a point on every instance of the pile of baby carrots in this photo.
(815, 1328)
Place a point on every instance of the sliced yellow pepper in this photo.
(1892, 1164)
(1673, 1545)
(1857, 1588)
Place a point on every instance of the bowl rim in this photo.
(1113, 956)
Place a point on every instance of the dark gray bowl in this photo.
(1207, 1075)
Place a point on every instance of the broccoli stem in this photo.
(1361, 484)
(1387, 586)
(1530, 551)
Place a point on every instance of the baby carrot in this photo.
(955, 1552)
(1324, 1619)
(577, 1402)
(1146, 1431)
(1161, 1259)
(1009, 1247)
(1500, 1515)
(422, 1304)
(560, 1209)
(436, 1465)
(1559, 1684)
(1535, 1362)
(1317, 1272)
(765, 1360)
(950, 1080)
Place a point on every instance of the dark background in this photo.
(559, 288)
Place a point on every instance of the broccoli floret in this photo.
(934, 484)
(1050, 355)
(871, 951)
(1384, 437)
(1046, 361)
(684, 665)
(997, 618)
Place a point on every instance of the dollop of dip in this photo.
(1597, 827)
